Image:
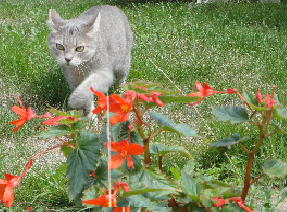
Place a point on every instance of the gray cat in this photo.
(93, 50)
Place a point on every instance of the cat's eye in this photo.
(80, 49)
(59, 46)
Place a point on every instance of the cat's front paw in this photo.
(81, 102)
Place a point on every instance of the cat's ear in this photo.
(94, 24)
(55, 21)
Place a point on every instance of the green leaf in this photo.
(58, 130)
(151, 178)
(167, 125)
(278, 128)
(275, 168)
(141, 191)
(189, 167)
(250, 98)
(190, 186)
(234, 114)
(58, 112)
(257, 108)
(235, 139)
(81, 160)
(140, 201)
(175, 172)
(162, 150)
(101, 173)
(78, 126)
(67, 149)
(280, 113)
(91, 193)
(207, 202)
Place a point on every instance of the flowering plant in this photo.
(91, 168)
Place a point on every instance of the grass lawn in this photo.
(226, 46)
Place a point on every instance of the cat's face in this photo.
(72, 42)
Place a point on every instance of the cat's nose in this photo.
(68, 60)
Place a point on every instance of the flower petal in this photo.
(46, 115)
(18, 122)
(2, 190)
(102, 200)
(98, 93)
(31, 114)
(52, 121)
(135, 149)
(129, 161)
(119, 117)
(20, 111)
(115, 146)
(115, 161)
(8, 196)
(196, 94)
(198, 86)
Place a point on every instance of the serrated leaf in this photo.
(278, 128)
(162, 150)
(280, 113)
(250, 98)
(59, 130)
(91, 193)
(190, 186)
(232, 114)
(81, 160)
(78, 126)
(140, 201)
(235, 139)
(275, 168)
(166, 124)
(67, 149)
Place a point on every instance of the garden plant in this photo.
(112, 170)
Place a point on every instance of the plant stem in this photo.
(147, 159)
(246, 150)
(247, 183)
(173, 203)
(160, 163)
(247, 176)
(257, 179)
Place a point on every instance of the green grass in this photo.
(226, 46)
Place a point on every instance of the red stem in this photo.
(160, 163)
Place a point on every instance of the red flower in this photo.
(6, 189)
(53, 121)
(124, 151)
(102, 200)
(24, 115)
(121, 107)
(239, 202)
(218, 202)
(204, 91)
(150, 97)
(121, 209)
(269, 101)
(123, 185)
(102, 102)
(259, 96)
